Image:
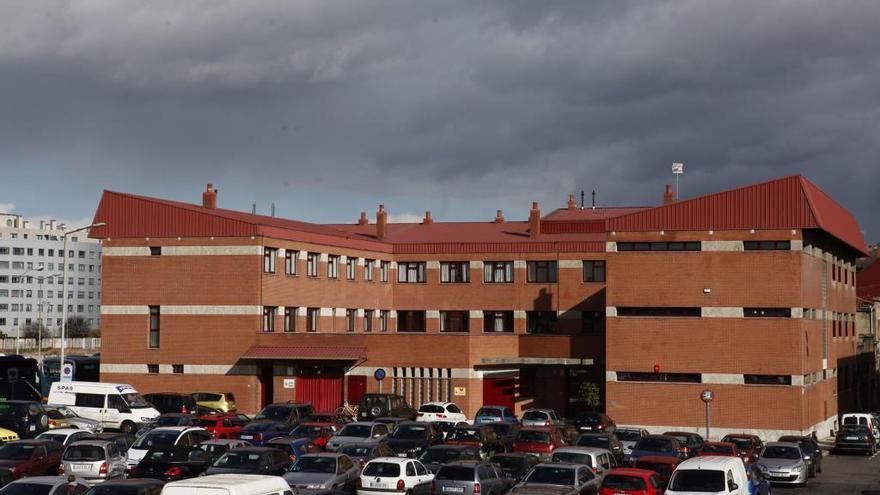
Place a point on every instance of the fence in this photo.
(88, 344)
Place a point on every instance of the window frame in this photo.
(350, 320)
(351, 268)
(542, 272)
(270, 258)
(368, 270)
(313, 315)
(269, 315)
(493, 268)
(417, 318)
(491, 320)
(313, 260)
(290, 319)
(333, 266)
(594, 271)
(464, 321)
(455, 272)
(155, 327)
(290, 259)
(412, 272)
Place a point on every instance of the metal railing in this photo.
(89, 344)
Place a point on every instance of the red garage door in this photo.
(499, 391)
(324, 392)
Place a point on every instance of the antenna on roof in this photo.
(677, 169)
(273, 209)
(594, 199)
(582, 199)
(254, 208)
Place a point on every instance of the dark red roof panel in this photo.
(346, 353)
(598, 213)
(868, 281)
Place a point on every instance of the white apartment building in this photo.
(31, 261)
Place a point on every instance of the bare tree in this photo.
(33, 330)
(77, 327)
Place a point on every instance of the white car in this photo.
(447, 412)
(385, 475)
(166, 436)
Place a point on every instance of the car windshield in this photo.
(464, 434)
(502, 429)
(572, 458)
(628, 435)
(741, 443)
(588, 420)
(409, 432)
(853, 420)
(654, 444)
(594, 441)
(233, 459)
(534, 416)
(274, 413)
(848, 430)
(702, 480)
(27, 489)
(135, 401)
(661, 468)
(455, 473)
(489, 411)
(533, 436)
(358, 451)
(432, 408)
(621, 482)
(58, 437)
(167, 455)
(84, 453)
(214, 449)
(115, 490)
(780, 452)
(360, 431)
(440, 456)
(551, 475)
(156, 439)
(307, 431)
(310, 464)
(16, 451)
(382, 470)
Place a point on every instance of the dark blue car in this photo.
(294, 446)
(275, 420)
(656, 445)
(495, 414)
(260, 432)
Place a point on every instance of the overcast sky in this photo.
(330, 107)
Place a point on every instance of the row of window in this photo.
(49, 308)
(697, 246)
(696, 312)
(20, 251)
(153, 369)
(49, 267)
(639, 376)
(27, 293)
(46, 321)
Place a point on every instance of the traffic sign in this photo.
(379, 374)
(707, 396)
(67, 372)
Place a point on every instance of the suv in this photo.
(27, 418)
(275, 420)
(376, 405)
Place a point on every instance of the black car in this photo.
(131, 486)
(252, 460)
(173, 463)
(598, 422)
(515, 466)
(377, 405)
(812, 452)
(607, 441)
(413, 437)
(691, 443)
(171, 402)
(365, 452)
(438, 455)
(27, 418)
(123, 441)
(505, 432)
(854, 438)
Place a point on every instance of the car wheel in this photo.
(128, 428)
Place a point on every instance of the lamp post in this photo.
(39, 268)
(64, 287)
(40, 318)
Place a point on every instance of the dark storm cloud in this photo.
(461, 104)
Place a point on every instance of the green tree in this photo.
(588, 393)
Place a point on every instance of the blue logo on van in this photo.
(120, 388)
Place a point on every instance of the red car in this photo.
(662, 465)
(718, 449)
(223, 425)
(317, 432)
(632, 481)
(30, 458)
(538, 440)
(748, 446)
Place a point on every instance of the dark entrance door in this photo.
(357, 387)
(267, 384)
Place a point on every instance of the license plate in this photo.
(851, 438)
(246, 437)
(376, 484)
(402, 454)
(453, 489)
(81, 467)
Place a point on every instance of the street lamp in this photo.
(64, 289)
(39, 268)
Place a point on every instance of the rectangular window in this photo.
(498, 272)
(332, 266)
(498, 321)
(269, 257)
(767, 312)
(635, 376)
(350, 316)
(767, 245)
(289, 319)
(383, 320)
(312, 260)
(153, 369)
(412, 272)
(454, 321)
(455, 272)
(410, 321)
(155, 250)
(593, 322)
(312, 315)
(541, 322)
(368, 270)
(594, 271)
(269, 318)
(350, 268)
(541, 271)
(368, 320)
(290, 261)
(659, 246)
(384, 268)
(177, 369)
(767, 379)
(154, 327)
(667, 312)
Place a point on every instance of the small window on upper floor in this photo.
(312, 260)
(594, 270)
(541, 271)
(767, 312)
(767, 245)
(455, 272)
(350, 268)
(155, 251)
(270, 256)
(290, 257)
(498, 272)
(333, 266)
(411, 272)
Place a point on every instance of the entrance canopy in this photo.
(307, 352)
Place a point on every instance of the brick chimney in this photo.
(572, 203)
(668, 196)
(363, 220)
(499, 217)
(209, 197)
(427, 220)
(381, 222)
(535, 221)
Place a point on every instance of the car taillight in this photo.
(477, 488)
(421, 415)
(441, 416)
(292, 457)
(547, 423)
(599, 427)
(103, 468)
(258, 436)
(174, 471)
(61, 469)
(401, 486)
(595, 470)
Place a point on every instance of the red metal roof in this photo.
(598, 213)
(868, 281)
(342, 353)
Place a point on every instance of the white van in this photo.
(115, 405)
(863, 419)
(229, 484)
(705, 475)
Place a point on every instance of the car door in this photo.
(587, 482)
(115, 461)
(346, 475)
(111, 412)
(424, 477)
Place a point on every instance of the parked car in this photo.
(628, 438)
(709, 474)
(440, 411)
(294, 447)
(482, 437)
(123, 440)
(356, 432)
(505, 433)
(662, 465)
(7, 435)
(30, 458)
(166, 436)
(601, 461)
(758, 480)
(329, 417)
(607, 441)
(598, 422)
(656, 445)
(216, 447)
(691, 443)
(64, 436)
(223, 425)
(275, 420)
(468, 477)
(318, 433)
(227, 484)
(748, 446)
(27, 418)
(220, 401)
(326, 471)
(93, 461)
(172, 402)
(718, 449)
(252, 460)
(411, 438)
(446, 426)
(863, 419)
(495, 414)
(515, 466)
(40, 484)
(558, 479)
(540, 417)
(131, 486)
(65, 417)
(811, 450)
(172, 463)
(538, 440)
(400, 475)
(167, 419)
(783, 463)
(365, 452)
(390, 421)
(375, 405)
(437, 455)
(620, 481)
(854, 438)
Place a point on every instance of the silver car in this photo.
(783, 463)
(559, 479)
(357, 432)
(93, 461)
(324, 471)
(42, 484)
(65, 416)
(64, 436)
(628, 438)
(540, 417)
(461, 477)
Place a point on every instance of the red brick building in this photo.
(748, 292)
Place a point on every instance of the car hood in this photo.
(343, 440)
(261, 425)
(772, 464)
(539, 489)
(308, 478)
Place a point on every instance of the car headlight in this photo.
(314, 486)
(796, 469)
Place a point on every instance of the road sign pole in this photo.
(707, 421)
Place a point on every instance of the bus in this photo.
(21, 379)
(85, 369)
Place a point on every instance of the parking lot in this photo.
(842, 474)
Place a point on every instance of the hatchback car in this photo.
(437, 455)
(854, 438)
(385, 475)
(357, 432)
(690, 442)
(811, 450)
(172, 463)
(216, 447)
(783, 463)
(22, 458)
(27, 418)
(64, 436)
(294, 447)
(440, 411)
(607, 441)
(559, 479)
(598, 422)
(628, 438)
(166, 436)
(275, 420)
(538, 440)
(632, 481)
(495, 414)
(656, 445)
(469, 477)
(93, 461)
(123, 440)
(221, 401)
(749, 446)
(366, 451)
(252, 460)
(515, 466)
(326, 471)
(64, 417)
(411, 438)
(662, 465)
(375, 405)
(540, 417)
(599, 460)
(223, 425)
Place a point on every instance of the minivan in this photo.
(93, 461)
(229, 484)
(115, 405)
(863, 419)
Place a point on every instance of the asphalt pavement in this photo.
(841, 474)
